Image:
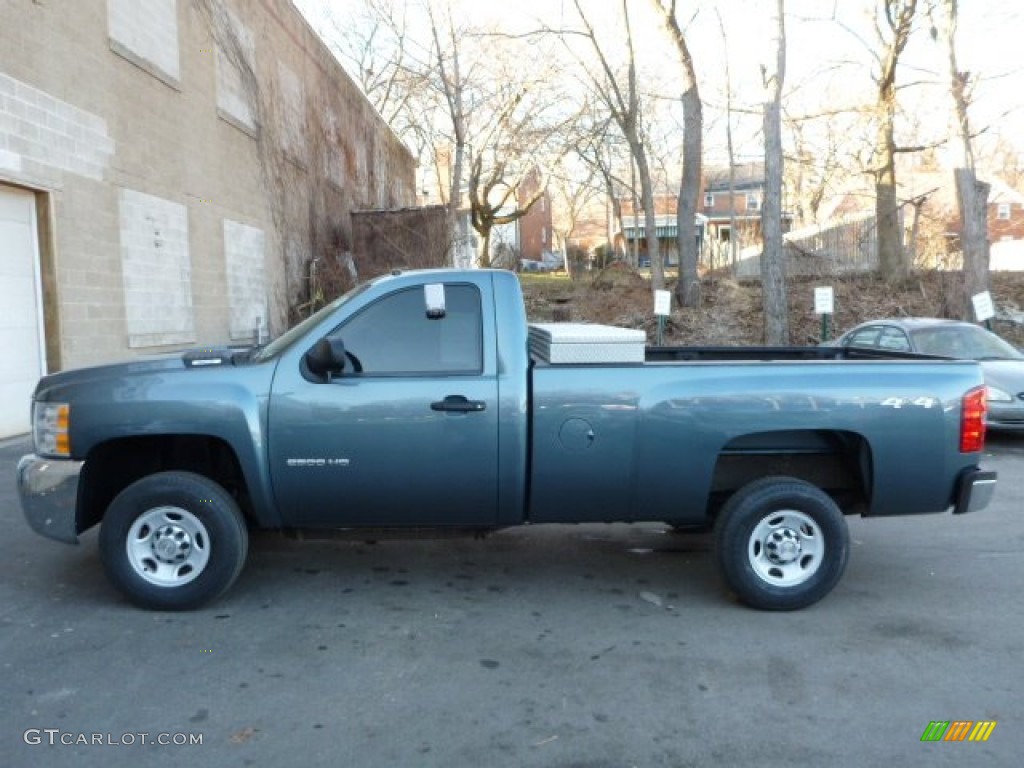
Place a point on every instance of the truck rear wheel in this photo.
(173, 541)
(781, 543)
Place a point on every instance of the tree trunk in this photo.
(773, 255)
(455, 233)
(484, 255)
(915, 229)
(688, 286)
(733, 242)
(615, 224)
(892, 258)
(773, 267)
(635, 256)
(891, 261)
(650, 218)
(734, 235)
(972, 197)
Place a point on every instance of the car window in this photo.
(865, 337)
(969, 342)
(894, 339)
(394, 336)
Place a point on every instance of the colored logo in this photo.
(958, 730)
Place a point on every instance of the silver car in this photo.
(1002, 364)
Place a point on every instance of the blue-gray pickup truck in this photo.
(423, 400)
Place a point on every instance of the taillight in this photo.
(972, 421)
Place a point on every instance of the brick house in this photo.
(1005, 212)
(937, 190)
(168, 170)
(742, 206)
(667, 226)
(536, 236)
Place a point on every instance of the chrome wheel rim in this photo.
(168, 546)
(786, 548)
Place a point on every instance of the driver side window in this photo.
(394, 336)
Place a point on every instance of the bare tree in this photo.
(520, 132)
(1003, 154)
(574, 188)
(821, 147)
(380, 55)
(733, 240)
(595, 150)
(972, 194)
(495, 200)
(452, 87)
(773, 267)
(898, 18)
(688, 287)
(622, 100)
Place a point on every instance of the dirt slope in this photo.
(730, 312)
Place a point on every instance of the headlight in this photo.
(51, 423)
(998, 395)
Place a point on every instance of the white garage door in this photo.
(20, 315)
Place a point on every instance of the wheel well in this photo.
(838, 462)
(112, 466)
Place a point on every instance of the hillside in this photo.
(730, 312)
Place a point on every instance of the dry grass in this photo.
(730, 312)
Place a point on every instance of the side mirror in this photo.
(326, 356)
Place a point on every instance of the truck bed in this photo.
(660, 440)
(768, 354)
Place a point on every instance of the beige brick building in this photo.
(168, 169)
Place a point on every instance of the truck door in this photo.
(407, 433)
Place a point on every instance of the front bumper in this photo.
(49, 494)
(974, 491)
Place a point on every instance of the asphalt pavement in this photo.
(564, 646)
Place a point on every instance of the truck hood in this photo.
(199, 358)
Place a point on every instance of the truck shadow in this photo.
(648, 566)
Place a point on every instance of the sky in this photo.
(989, 41)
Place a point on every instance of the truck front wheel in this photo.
(173, 541)
(782, 544)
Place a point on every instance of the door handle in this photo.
(458, 404)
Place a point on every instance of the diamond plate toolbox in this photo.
(584, 343)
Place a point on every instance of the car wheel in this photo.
(781, 543)
(173, 541)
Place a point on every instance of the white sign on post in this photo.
(824, 303)
(662, 303)
(984, 309)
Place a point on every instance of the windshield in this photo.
(967, 342)
(286, 339)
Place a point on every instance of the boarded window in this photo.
(237, 55)
(156, 270)
(146, 33)
(247, 290)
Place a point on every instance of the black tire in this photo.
(782, 544)
(173, 541)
